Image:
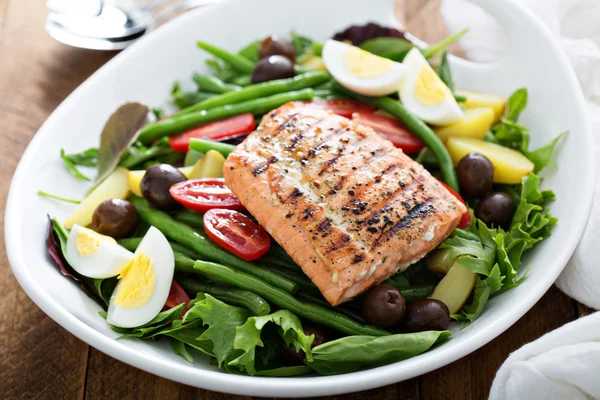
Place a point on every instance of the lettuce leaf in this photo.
(542, 157)
(156, 326)
(484, 288)
(248, 338)
(352, 353)
(222, 320)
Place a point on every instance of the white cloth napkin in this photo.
(564, 363)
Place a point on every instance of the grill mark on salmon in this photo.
(346, 205)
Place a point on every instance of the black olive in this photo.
(156, 183)
(475, 175)
(116, 218)
(290, 356)
(383, 306)
(276, 46)
(271, 68)
(426, 315)
(496, 209)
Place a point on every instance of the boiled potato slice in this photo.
(476, 99)
(454, 288)
(440, 261)
(314, 62)
(209, 166)
(115, 186)
(475, 124)
(134, 179)
(510, 166)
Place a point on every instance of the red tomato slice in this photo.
(465, 220)
(343, 107)
(204, 194)
(392, 130)
(219, 130)
(236, 233)
(176, 296)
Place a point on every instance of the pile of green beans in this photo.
(253, 302)
(259, 90)
(287, 301)
(180, 123)
(188, 237)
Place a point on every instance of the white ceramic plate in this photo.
(145, 72)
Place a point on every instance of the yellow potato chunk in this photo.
(475, 124)
(454, 288)
(476, 99)
(209, 166)
(115, 186)
(510, 166)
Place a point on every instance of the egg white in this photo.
(106, 261)
(334, 56)
(156, 247)
(445, 113)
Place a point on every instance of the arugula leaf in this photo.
(158, 112)
(251, 51)
(71, 167)
(301, 44)
(222, 70)
(189, 334)
(56, 197)
(180, 349)
(388, 47)
(248, 337)
(222, 320)
(484, 288)
(512, 135)
(542, 157)
(138, 154)
(154, 327)
(105, 288)
(352, 353)
(87, 158)
(516, 104)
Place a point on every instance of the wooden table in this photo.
(39, 359)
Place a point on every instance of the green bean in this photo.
(191, 218)
(304, 284)
(188, 99)
(260, 90)
(287, 301)
(242, 80)
(256, 304)
(237, 62)
(320, 301)
(317, 48)
(178, 124)
(213, 84)
(206, 145)
(419, 292)
(188, 237)
(328, 94)
(419, 129)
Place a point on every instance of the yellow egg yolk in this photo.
(366, 65)
(429, 88)
(88, 242)
(137, 283)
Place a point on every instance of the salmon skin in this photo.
(344, 203)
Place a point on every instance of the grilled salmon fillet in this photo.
(344, 203)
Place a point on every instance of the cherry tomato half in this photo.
(204, 194)
(236, 233)
(176, 296)
(465, 220)
(218, 130)
(343, 107)
(391, 129)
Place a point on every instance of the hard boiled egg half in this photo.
(424, 93)
(144, 284)
(361, 71)
(94, 255)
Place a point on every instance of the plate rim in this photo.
(282, 387)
